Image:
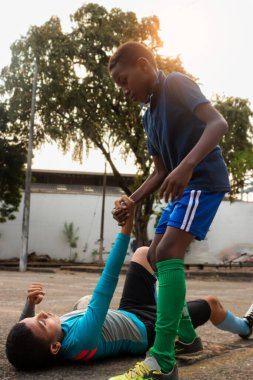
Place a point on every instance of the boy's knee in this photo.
(140, 255)
(165, 251)
(218, 313)
(213, 302)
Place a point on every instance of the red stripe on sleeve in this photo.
(81, 355)
(91, 354)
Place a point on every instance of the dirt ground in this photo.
(225, 357)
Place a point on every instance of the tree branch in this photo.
(114, 169)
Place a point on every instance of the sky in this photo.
(212, 37)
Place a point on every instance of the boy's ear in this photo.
(55, 347)
(143, 64)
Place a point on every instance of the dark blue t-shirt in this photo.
(173, 130)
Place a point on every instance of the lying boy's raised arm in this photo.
(88, 330)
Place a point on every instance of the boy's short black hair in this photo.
(129, 52)
(25, 351)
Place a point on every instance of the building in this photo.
(59, 197)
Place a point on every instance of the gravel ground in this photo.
(225, 357)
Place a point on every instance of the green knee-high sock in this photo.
(171, 296)
(186, 332)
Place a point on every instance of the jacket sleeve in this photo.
(88, 329)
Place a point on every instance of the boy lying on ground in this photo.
(96, 332)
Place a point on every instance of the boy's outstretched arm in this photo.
(153, 182)
(216, 126)
(35, 295)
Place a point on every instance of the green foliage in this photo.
(12, 159)
(76, 98)
(237, 144)
(71, 234)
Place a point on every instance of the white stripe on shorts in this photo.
(193, 210)
(188, 210)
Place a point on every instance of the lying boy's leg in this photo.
(224, 320)
(139, 292)
(82, 303)
(140, 256)
(139, 286)
(199, 311)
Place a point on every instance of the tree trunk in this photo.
(143, 212)
(144, 209)
(115, 171)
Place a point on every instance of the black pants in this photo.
(139, 298)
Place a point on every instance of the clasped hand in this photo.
(123, 208)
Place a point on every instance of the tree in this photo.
(77, 100)
(12, 159)
(237, 144)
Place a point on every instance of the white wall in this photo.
(49, 212)
(232, 227)
(231, 230)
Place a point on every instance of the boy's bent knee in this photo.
(140, 257)
(166, 252)
(140, 254)
(173, 245)
(213, 301)
(218, 313)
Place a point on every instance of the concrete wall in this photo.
(49, 212)
(231, 232)
(232, 228)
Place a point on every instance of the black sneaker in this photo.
(188, 348)
(248, 317)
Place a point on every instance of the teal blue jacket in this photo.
(98, 332)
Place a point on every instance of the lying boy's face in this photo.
(136, 80)
(45, 326)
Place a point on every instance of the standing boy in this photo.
(183, 131)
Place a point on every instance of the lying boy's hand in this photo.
(35, 294)
(130, 204)
(174, 184)
(120, 211)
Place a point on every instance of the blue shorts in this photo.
(193, 213)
